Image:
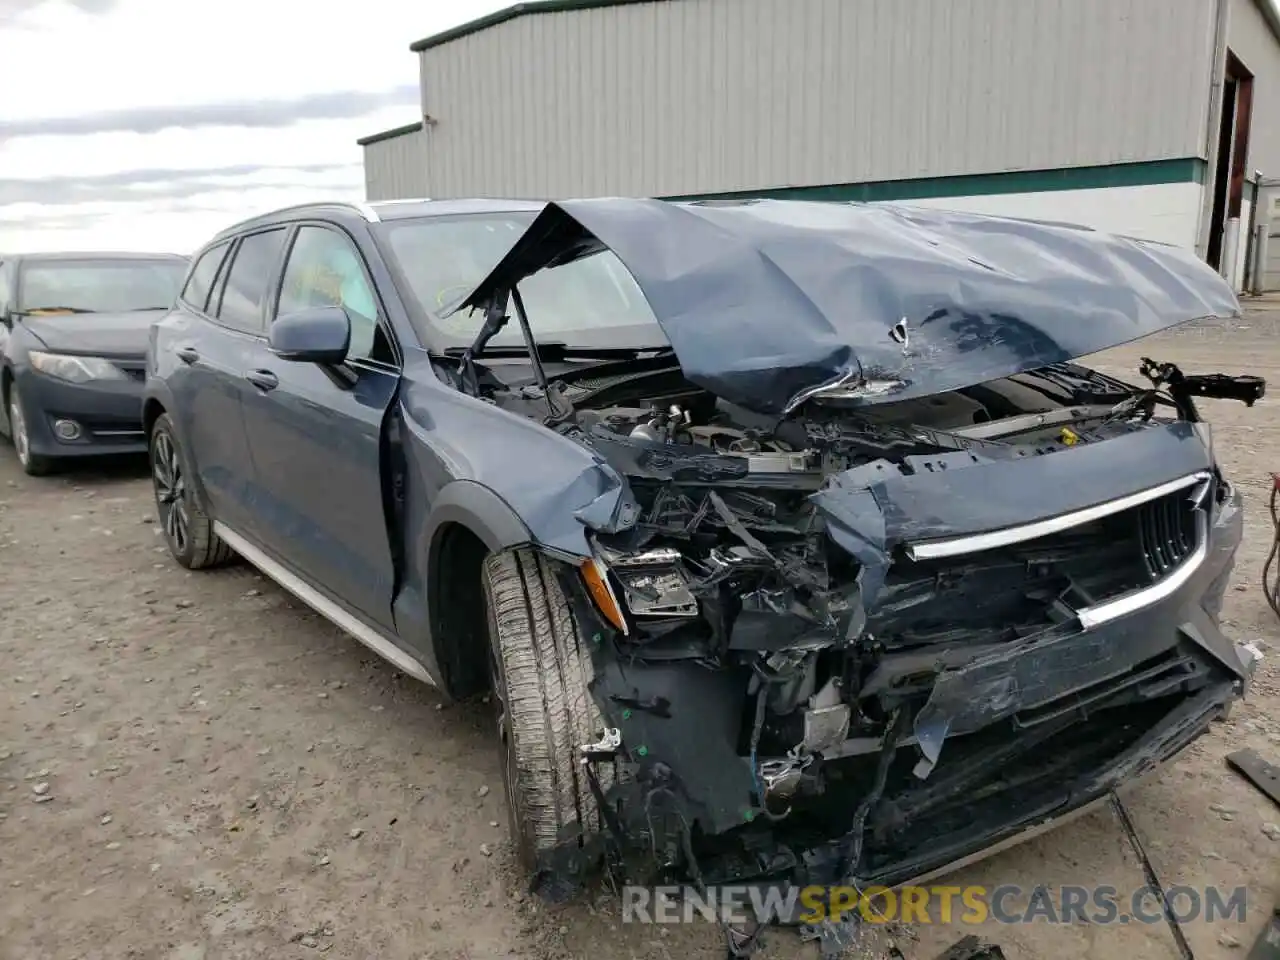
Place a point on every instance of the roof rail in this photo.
(365, 212)
(359, 206)
(388, 203)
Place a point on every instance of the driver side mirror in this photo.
(316, 335)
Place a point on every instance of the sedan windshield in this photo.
(99, 285)
(591, 302)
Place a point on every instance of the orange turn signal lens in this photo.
(595, 577)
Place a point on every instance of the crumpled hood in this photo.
(766, 301)
(95, 334)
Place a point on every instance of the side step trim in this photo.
(322, 605)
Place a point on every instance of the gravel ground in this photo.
(195, 767)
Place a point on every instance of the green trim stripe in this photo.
(390, 134)
(1183, 170)
(510, 13)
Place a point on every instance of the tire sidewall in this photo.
(506, 744)
(164, 425)
(18, 417)
(33, 466)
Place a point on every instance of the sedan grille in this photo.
(133, 369)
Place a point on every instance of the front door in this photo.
(316, 435)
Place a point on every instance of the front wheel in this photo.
(541, 669)
(187, 529)
(32, 465)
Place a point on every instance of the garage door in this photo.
(1271, 276)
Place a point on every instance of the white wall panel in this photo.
(396, 167)
(691, 96)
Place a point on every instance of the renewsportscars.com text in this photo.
(932, 904)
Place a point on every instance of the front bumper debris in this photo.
(1008, 740)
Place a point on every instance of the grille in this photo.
(133, 369)
(111, 427)
(1007, 592)
(1166, 532)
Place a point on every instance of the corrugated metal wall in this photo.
(397, 167)
(693, 96)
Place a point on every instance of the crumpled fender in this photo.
(528, 485)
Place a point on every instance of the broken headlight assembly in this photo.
(650, 584)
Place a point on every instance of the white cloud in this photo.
(163, 56)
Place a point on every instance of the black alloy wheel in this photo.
(188, 530)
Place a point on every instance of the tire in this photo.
(187, 529)
(541, 670)
(32, 465)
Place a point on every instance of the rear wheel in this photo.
(541, 669)
(187, 529)
(32, 465)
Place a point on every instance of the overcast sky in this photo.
(151, 124)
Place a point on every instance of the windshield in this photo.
(590, 302)
(99, 286)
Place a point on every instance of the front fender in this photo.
(480, 510)
(156, 393)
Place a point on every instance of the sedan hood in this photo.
(94, 334)
(769, 302)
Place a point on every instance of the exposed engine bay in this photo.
(731, 566)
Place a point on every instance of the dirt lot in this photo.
(229, 777)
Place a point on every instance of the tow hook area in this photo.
(606, 746)
(781, 778)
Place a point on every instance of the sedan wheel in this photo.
(32, 465)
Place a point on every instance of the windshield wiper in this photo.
(37, 311)
(495, 318)
(554, 351)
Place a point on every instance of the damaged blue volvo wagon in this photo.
(791, 539)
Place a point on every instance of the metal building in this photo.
(1150, 118)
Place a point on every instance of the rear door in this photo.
(317, 435)
(221, 329)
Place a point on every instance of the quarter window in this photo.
(196, 292)
(324, 270)
(249, 279)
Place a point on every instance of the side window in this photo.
(324, 270)
(196, 292)
(249, 278)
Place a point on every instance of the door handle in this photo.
(263, 379)
(187, 354)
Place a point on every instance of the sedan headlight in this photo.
(74, 369)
